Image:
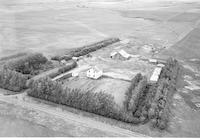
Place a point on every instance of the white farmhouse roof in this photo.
(96, 69)
(156, 74)
(94, 72)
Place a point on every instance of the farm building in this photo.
(75, 58)
(160, 65)
(155, 76)
(153, 61)
(75, 74)
(121, 55)
(94, 72)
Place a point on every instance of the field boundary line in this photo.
(68, 116)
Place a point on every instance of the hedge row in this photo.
(159, 111)
(59, 58)
(160, 108)
(12, 80)
(86, 49)
(93, 47)
(137, 95)
(136, 98)
(98, 103)
(128, 94)
(152, 101)
(13, 56)
(67, 67)
(29, 64)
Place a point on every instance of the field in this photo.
(154, 30)
(192, 40)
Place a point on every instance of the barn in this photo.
(120, 55)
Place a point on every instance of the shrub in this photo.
(53, 74)
(66, 57)
(12, 80)
(93, 47)
(86, 49)
(56, 58)
(67, 67)
(66, 76)
(128, 94)
(137, 95)
(160, 108)
(63, 69)
(13, 56)
(28, 64)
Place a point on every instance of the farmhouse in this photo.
(121, 55)
(94, 72)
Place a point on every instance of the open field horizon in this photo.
(53, 27)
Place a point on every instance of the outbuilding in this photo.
(120, 55)
(153, 61)
(156, 73)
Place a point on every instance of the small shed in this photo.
(94, 72)
(75, 74)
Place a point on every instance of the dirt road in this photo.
(69, 117)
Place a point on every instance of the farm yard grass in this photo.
(58, 31)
